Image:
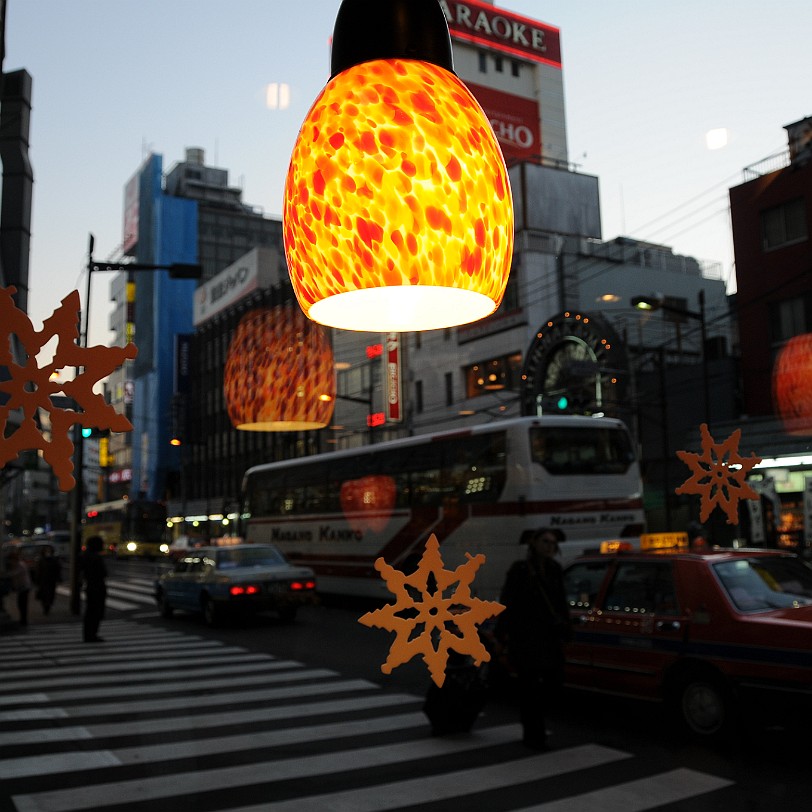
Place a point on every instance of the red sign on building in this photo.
(494, 27)
(393, 381)
(516, 122)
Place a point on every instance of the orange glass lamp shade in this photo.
(279, 373)
(792, 385)
(398, 212)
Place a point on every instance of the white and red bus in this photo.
(479, 490)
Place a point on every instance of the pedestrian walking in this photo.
(20, 583)
(49, 574)
(94, 574)
(533, 629)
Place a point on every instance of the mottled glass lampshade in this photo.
(792, 385)
(279, 373)
(398, 213)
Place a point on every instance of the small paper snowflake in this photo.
(719, 474)
(430, 618)
(29, 387)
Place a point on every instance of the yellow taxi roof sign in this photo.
(663, 541)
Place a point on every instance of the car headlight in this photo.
(131, 546)
(164, 548)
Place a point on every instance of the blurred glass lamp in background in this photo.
(398, 213)
(279, 373)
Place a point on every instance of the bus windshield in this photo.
(569, 451)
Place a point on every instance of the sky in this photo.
(645, 81)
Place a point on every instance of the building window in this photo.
(499, 64)
(791, 318)
(493, 375)
(515, 68)
(418, 396)
(483, 62)
(784, 224)
(449, 388)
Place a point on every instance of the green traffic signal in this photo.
(562, 403)
(89, 432)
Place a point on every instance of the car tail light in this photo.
(250, 589)
(299, 586)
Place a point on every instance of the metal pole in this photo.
(664, 435)
(79, 461)
(704, 339)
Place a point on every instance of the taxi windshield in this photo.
(761, 584)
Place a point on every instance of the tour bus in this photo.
(480, 491)
(129, 527)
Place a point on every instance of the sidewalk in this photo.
(60, 613)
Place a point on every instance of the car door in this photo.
(183, 593)
(638, 629)
(583, 581)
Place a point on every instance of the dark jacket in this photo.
(535, 622)
(94, 573)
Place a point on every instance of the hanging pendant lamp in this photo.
(279, 373)
(398, 213)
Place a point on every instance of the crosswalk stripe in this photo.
(37, 765)
(178, 701)
(291, 673)
(155, 669)
(639, 795)
(456, 784)
(126, 676)
(101, 665)
(180, 783)
(182, 702)
(80, 653)
(174, 724)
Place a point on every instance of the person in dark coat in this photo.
(94, 574)
(49, 574)
(533, 628)
(20, 583)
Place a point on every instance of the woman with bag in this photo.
(533, 629)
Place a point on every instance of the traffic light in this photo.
(562, 403)
(92, 432)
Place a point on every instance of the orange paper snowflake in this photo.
(719, 474)
(434, 612)
(29, 387)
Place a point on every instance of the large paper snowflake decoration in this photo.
(719, 474)
(30, 387)
(433, 613)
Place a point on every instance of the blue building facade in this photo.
(167, 233)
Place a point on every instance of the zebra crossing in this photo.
(125, 594)
(160, 719)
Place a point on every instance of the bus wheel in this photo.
(210, 612)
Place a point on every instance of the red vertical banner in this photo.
(394, 411)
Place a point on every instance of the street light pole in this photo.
(176, 270)
(657, 302)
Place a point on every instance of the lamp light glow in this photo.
(279, 372)
(398, 213)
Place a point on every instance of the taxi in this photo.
(704, 631)
(239, 579)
